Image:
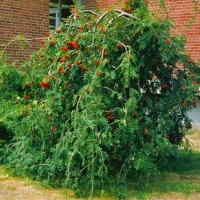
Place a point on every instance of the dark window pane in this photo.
(62, 8)
(52, 21)
(54, 4)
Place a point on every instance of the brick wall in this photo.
(181, 12)
(23, 17)
(30, 18)
(99, 4)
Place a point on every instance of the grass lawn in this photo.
(178, 180)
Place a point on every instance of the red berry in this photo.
(52, 42)
(58, 31)
(164, 86)
(25, 97)
(105, 54)
(27, 85)
(45, 85)
(146, 3)
(184, 103)
(118, 45)
(96, 62)
(78, 62)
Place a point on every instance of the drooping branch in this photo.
(122, 13)
(91, 12)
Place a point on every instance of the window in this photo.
(59, 10)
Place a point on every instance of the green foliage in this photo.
(10, 89)
(104, 96)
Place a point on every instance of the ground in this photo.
(16, 189)
(12, 188)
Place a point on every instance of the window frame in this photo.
(58, 13)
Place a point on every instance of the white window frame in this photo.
(57, 12)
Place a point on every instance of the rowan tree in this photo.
(106, 95)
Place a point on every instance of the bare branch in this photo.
(90, 11)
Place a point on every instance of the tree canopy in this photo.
(107, 95)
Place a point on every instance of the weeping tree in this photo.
(106, 95)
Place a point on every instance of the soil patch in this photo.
(15, 189)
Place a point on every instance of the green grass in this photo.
(190, 132)
(182, 176)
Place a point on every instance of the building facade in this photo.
(22, 17)
(100, 4)
(33, 19)
(186, 18)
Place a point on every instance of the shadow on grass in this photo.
(176, 177)
(188, 163)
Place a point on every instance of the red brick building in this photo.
(183, 14)
(100, 4)
(34, 18)
(22, 17)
